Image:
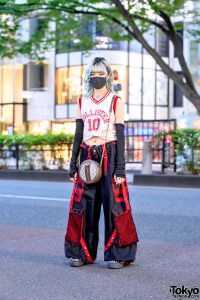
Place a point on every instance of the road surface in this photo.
(33, 219)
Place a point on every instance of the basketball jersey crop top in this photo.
(95, 115)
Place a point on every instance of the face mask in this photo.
(97, 82)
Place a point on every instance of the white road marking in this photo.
(33, 197)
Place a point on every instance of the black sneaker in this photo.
(76, 262)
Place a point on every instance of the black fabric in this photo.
(91, 198)
(97, 82)
(120, 165)
(78, 138)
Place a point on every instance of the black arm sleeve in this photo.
(120, 166)
(78, 138)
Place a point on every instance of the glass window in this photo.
(179, 33)
(135, 46)
(134, 85)
(161, 89)
(135, 111)
(61, 85)
(148, 62)
(37, 76)
(122, 81)
(148, 112)
(162, 112)
(11, 85)
(18, 82)
(7, 83)
(162, 43)
(194, 59)
(148, 87)
(178, 96)
(150, 37)
(75, 86)
(68, 84)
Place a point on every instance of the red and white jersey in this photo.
(95, 115)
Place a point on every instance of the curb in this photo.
(58, 176)
(181, 181)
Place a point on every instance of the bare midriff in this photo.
(95, 140)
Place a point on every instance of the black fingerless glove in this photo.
(78, 138)
(120, 166)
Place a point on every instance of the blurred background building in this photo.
(41, 98)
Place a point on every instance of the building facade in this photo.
(42, 98)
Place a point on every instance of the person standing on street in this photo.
(92, 125)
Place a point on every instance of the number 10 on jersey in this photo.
(93, 124)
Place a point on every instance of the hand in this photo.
(74, 178)
(118, 180)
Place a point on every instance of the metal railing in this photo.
(137, 132)
(58, 157)
(36, 157)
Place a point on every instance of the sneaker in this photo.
(76, 262)
(116, 264)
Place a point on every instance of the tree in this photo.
(123, 19)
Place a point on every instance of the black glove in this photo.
(120, 166)
(78, 138)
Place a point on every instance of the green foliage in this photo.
(36, 150)
(73, 23)
(30, 140)
(186, 143)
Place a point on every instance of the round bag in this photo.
(90, 171)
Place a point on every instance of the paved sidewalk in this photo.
(33, 266)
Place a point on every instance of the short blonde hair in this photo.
(98, 63)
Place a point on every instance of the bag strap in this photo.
(110, 112)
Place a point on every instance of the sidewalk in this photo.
(182, 181)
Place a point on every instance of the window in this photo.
(149, 87)
(135, 83)
(179, 33)
(178, 95)
(161, 89)
(68, 84)
(11, 85)
(162, 43)
(36, 76)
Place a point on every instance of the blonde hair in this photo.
(100, 64)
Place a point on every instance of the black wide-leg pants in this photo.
(82, 234)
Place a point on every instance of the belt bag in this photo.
(90, 171)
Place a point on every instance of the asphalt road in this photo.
(33, 219)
